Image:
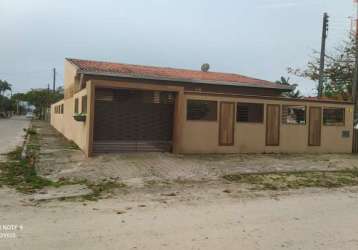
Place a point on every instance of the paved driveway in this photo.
(11, 132)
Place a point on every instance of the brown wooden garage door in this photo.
(131, 120)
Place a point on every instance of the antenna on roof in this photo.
(205, 67)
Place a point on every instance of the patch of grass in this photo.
(99, 189)
(155, 183)
(296, 180)
(73, 145)
(21, 174)
(31, 131)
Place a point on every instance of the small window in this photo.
(84, 104)
(293, 114)
(61, 108)
(166, 98)
(156, 97)
(76, 105)
(333, 116)
(250, 112)
(202, 110)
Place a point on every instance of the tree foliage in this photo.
(338, 72)
(4, 86)
(295, 93)
(41, 99)
(5, 102)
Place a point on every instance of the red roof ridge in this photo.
(92, 66)
(165, 67)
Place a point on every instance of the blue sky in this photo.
(258, 38)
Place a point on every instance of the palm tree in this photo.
(294, 93)
(4, 86)
(4, 101)
(283, 81)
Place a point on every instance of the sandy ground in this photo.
(177, 202)
(11, 133)
(59, 160)
(308, 219)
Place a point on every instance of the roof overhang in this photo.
(159, 78)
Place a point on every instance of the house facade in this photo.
(125, 108)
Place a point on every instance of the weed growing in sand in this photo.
(296, 180)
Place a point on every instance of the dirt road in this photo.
(310, 219)
(187, 213)
(11, 132)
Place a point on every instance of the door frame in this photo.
(279, 124)
(309, 126)
(233, 125)
(139, 122)
(178, 118)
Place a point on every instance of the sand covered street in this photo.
(307, 219)
(162, 201)
(11, 133)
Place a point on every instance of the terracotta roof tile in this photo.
(110, 68)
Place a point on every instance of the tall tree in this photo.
(4, 86)
(42, 99)
(5, 103)
(338, 72)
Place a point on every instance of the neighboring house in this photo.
(141, 108)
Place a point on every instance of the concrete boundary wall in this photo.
(67, 125)
(202, 136)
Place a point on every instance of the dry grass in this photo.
(295, 180)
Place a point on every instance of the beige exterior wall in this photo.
(65, 123)
(202, 136)
(70, 79)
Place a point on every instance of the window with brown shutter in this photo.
(84, 104)
(333, 116)
(202, 110)
(76, 106)
(250, 112)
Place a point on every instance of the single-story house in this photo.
(114, 107)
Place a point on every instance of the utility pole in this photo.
(355, 76)
(323, 54)
(54, 80)
(48, 102)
